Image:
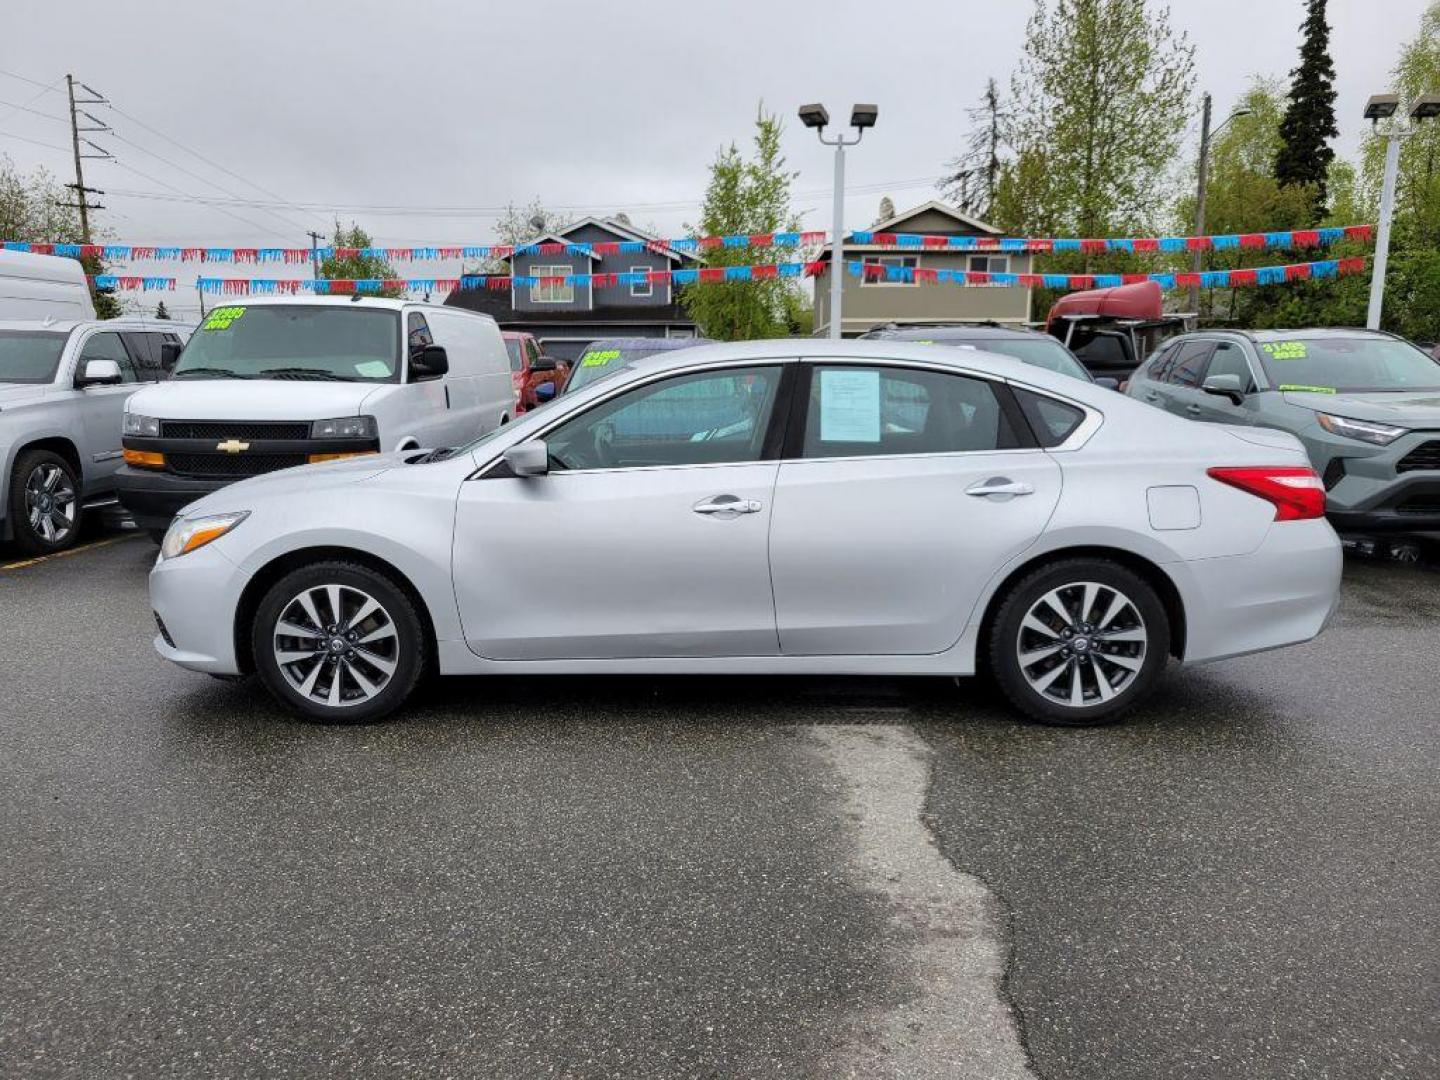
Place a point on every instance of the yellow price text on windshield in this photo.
(600, 358)
(1285, 350)
(221, 318)
(1307, 389)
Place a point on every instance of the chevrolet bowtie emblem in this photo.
(232, 446)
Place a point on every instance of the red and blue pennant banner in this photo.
(131, 283)
(503, 282)
(1210, 279)
(298, 256)
(1285, 239)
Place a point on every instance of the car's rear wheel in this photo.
(339, 642)
(1079, 641)
(44, 502)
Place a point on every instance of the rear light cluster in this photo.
(1296, 492)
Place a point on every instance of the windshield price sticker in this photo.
(1285, 350)
(1308, 389)
(599, 358)
(221, 318)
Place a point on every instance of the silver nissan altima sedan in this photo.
(769, 507)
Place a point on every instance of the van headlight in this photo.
(1364, 430)
(345, 427)
(187, 534)
(144, 426)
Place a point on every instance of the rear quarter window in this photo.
(1052, 421)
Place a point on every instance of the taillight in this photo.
(1296, 492)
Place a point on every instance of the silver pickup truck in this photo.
(63, 385)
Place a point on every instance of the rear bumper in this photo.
(153, 498)
(1281, 594)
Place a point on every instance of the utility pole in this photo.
(81, 203)
(200, 293)
(1202, 178)
(315, 239)
(1387, 214)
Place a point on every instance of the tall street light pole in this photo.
(1201, 182)
(817, 117)
(1383, 107)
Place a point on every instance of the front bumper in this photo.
(1407, 503)
(195, 596)
(153, 498)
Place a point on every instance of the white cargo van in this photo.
(274, 383)
(43, 287)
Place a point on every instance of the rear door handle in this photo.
(726, 506)
(1193, 410)
(999, 485)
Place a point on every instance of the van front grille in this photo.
(232, 466)
(234, 429)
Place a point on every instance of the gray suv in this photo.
(1366, 405)
(63, 385)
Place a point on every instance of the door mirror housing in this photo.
(1226, 386)
(431, 362)
(528, 458)
(1107, 383)
(543, 363)
(169, 354)
(100, 373)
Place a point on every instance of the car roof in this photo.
(123, 322)
(1306, 334)
(977, 331)
(655, 344)
(359, 300)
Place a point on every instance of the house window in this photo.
(989, 264)
(911, 261)
(644, 288)
(551, 292)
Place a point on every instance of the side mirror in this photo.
(1226, 386)
(170, 353)
(545, 392)
(543, 363)
(431, 362)
(1107, 382)
(528, 458)
(101, 373)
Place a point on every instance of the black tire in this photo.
(28, 537)
(409, 657)
(1101, 656)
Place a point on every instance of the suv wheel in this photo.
(338, 642)
(1079, 642)
(44, 502)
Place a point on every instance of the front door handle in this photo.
(1193, 410)
(726, 506)
(999, 485)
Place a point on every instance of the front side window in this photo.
(707, 418)
(417, 333)
(910, 261)
(554, 290)
(108, 346)
(1189, 362)
(867, 411)
(1229, 359)
(30, 356)
(1348, 365)
(353, 343)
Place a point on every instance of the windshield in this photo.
(356, 344)
(1348, 365)
(517, 358)
(30, 356)
(594, 363)
(1037, 352)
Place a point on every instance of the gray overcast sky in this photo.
(597, 106)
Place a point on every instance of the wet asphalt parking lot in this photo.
(715, 877)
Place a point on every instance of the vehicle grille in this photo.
(238, 429)
(1420, 504)
(1424, 456)
(230, 465)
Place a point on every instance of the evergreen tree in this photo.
(1309, 124)
(887, 209)
(974, 175)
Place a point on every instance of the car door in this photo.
(663, 495)
(1180, 390)
(102, 408)
(1227, 358)
(428, 414)
(904, 492)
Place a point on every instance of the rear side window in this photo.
(1159, 368)
(865, 411)
(1189, 363)
(1052, 421)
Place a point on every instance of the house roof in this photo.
(622, 232)
(896, 225)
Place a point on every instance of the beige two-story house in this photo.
(871, 303)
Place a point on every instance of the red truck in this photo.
(1113, 330)
(531, 368)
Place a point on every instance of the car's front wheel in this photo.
(338, 642)
(44, 502)
(1079, 641)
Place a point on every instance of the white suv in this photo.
(63, 386)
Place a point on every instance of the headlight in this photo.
(346, 427)
(146, 426)
(1364, 430)
(187, 534)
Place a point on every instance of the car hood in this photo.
(252, 399)
(20, 393)
(1414, 409)
(311, 479)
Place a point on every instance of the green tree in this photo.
(161, 311)
(1101, 98)
(30, 210)
(357, 266)
(1304, 156)
(746, 196)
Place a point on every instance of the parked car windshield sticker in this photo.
(1308, 389)
(1285, 350)
(221, 318)
(373, 369)
(850, 406)
(599, 358)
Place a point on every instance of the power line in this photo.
(36, 142)
(186, 197)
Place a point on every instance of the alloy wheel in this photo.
(336, 645)
(1081, 644)
(50, 503)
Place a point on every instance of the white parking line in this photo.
(65, 554)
